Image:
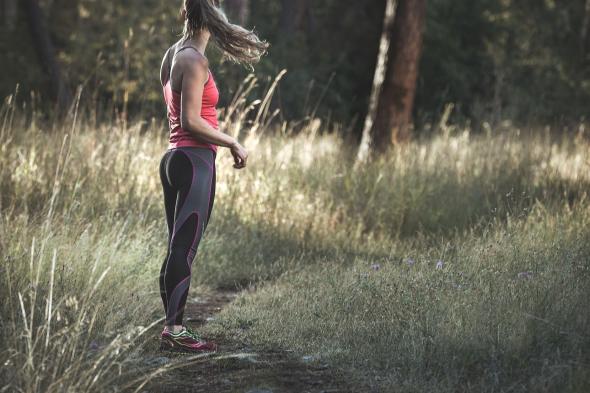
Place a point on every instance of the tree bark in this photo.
(368, 137)
(238, 10)
(10, 14)
(390, 114)
(46, 52)
(584, 30)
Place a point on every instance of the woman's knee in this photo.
(178, 261)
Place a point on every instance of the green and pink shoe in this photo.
(187, 340)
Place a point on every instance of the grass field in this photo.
(460, 262)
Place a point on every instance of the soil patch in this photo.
(237, 367)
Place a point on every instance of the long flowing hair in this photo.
(237, 43)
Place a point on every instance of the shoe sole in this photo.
(168, 345)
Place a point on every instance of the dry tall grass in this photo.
(82, 236)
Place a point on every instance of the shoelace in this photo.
(193, 334)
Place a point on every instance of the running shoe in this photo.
(186, 340)
(193, 333)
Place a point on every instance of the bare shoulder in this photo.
(193, 63)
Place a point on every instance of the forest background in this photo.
(525, 61)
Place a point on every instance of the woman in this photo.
(187, 169)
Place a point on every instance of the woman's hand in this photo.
(240, 155)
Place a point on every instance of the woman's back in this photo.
(171, 78)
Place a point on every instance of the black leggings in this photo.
(188, 181)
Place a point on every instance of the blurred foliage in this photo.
(506, 59)
(494, 59)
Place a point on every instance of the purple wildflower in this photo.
(375, 266)
(525, 275)
(439, 264)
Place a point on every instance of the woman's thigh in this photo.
(192, 174)
(170, 193)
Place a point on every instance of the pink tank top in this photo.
(178, 136)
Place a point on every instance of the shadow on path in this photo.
(237, 367)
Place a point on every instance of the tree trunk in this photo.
(293, 14)
(46, 53)
(368, 137)
(10, 14)
(390, 114)
(397, 100)
(238, 11)
(584, 30)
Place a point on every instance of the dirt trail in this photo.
(238, 368)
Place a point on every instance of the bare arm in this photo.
(193, 81)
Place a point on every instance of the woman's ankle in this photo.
(174, 328)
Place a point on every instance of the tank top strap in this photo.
(189, 46)
(195, 48)
(192, 47)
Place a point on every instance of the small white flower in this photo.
(439, 264)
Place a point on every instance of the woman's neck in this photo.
(199, 41)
